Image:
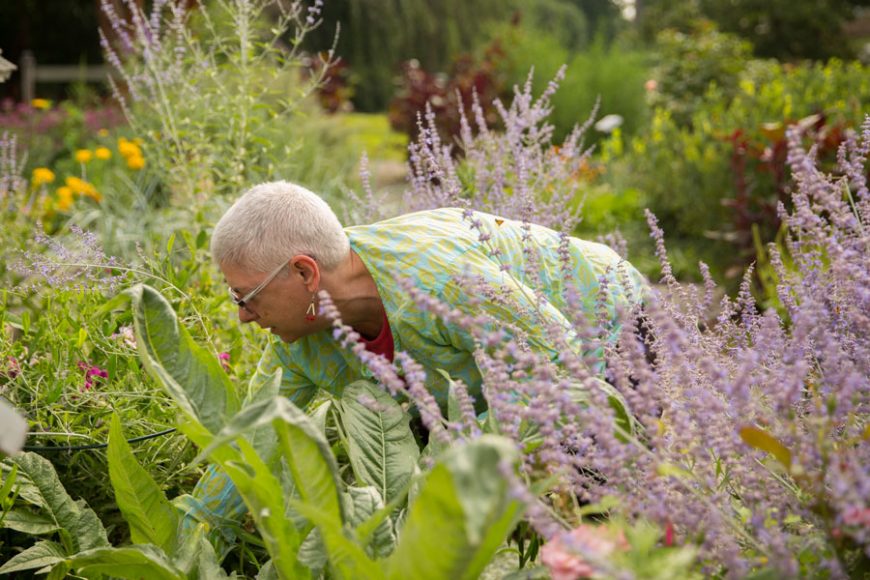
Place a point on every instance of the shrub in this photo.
(214, 95)
(711, 180)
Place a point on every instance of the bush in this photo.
(711, 180)
(610, 75)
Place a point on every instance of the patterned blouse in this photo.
(440, 251)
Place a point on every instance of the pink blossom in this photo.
(93, 374)
(224, 357)
(11, 369)
(564, 554)
(651, 85)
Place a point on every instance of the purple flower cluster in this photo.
(752, 425)
(12, 184)
(75, 261)
(514, 173)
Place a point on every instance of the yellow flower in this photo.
(103, 132)
(64, 197)
(84, 155)
(103, 153)
(128, 148)
(40, 104)
(82, 187)
(135, 162)
(42, 175)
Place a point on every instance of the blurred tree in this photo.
(782, 29)
(788, 29)
(378, 36)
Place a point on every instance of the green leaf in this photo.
(347, 559)
(465, 508)
(759, 439)
(41, 487)
(381, 447)
(29, 523)
(192, 376)
(362, 504)
(151, 517)
(39, 555)
(309, 459)
(255, 482)
(135, 562)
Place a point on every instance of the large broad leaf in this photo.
(307, 453)
(151, 517)
(39, 555)
(40, 486)
(347, 559)
(196, 557)
(381, 447)
(35, 524)
(133, 562)
(191, 375)
(465, 508)
(261, 492)
(362, 504)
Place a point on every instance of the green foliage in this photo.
(786, 29)
(151, 517)
(465, 498)
(74, 525)
(465, 508)
(193, 377)
(711, 179)
(218, 101)
(379, 442)
(610, 75)
(688, 64)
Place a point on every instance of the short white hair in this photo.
(275, 221)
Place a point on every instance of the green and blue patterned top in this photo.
(436, 249)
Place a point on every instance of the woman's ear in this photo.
(306, 267)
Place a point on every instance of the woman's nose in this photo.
(246, 315)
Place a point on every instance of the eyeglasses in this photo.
(243, 301)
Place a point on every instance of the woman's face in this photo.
(281, 305)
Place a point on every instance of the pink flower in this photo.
(11, 369)
(224, 357)
(651, 85)
(93, 374)
(564, 554)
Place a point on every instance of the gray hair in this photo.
(275, 221)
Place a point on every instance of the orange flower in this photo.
(103, 153)
(84, 155)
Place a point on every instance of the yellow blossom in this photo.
(103, 132)
(84, 155)
(42, 175)
(135, 162)
(82, 187)
(41, 104)
(64, 198)
(128, 148)
(103, 153)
